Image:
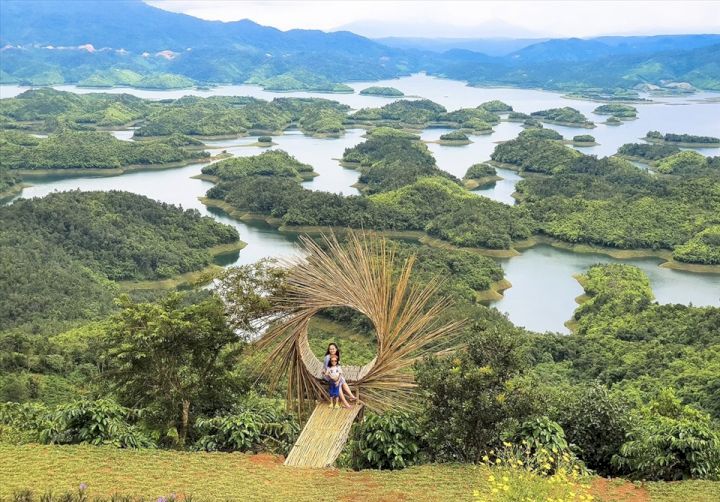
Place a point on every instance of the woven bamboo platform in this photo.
(323, 437)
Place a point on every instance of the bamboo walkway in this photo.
(323, 437)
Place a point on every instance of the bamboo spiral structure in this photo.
(362, 273)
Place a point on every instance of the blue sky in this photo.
(467, 19)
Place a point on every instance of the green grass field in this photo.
(235, 476)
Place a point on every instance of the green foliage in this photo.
(416, 113)
(382, 91)
(496, 106)
(101, 422)
(300, 80)
(255, 424)
(248, 292)
(476, 394)
(264, 139)
(626, 341)
(477, 171)
(595, 423)
(610, 202)
(681, 138)
(535, 155)
(565, 114)
(617, 109)
(540, 133)
(391, 161)
(703, 247)
(584, 138)
(68, 149)
(167, 357)
(669, 441)
(683, 164)
(270, 163)
(647, 151)
(454, 136)
(388, 441)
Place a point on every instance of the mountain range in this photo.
(131, 43)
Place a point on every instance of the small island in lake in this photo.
(479, 175)
(387, 92)
(618, 110)
(686, 140)
(584, 140)
(454, 138)
(566, 116)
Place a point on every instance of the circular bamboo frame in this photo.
(361, 274)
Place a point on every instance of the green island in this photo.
(298, 80)
(422, 113)
(610, 203)
(271, 163)
(116, 77)
(100, 152)
(566, 115)
(454, 138)
(683, 140)
(608, 95)
(621, 111)
(388, 92)
(479, 175)
(583, 140)
(646, 153)
(517, 117)
(613, 121)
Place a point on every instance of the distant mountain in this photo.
(48, 42)
(577, 49)
(488, 29)
(489, 46)
(127, 42)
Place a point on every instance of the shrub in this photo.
(669, 441)
(101, 422)
(264, 139)
(387, 441)
(473, 397)
(254, 425)
(596, 423)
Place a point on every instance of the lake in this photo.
(544, 290)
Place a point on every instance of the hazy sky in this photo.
(463, 19)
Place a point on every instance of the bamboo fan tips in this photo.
(364, 274)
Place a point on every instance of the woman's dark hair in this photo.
(327, 352)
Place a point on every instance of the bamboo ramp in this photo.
(323, 437)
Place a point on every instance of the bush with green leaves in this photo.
(101, 422)
(471, 398)
(256, 424)
(595, 422)
(388, 441)
(669, 441)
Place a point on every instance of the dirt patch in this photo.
(266, 459)
(618, 490)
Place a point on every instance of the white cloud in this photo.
(466, 18)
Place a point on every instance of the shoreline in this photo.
(113, 171)
(193, 278)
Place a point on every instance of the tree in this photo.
(476, 395)
(248, 293)
(167, 356)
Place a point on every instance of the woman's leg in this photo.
(342, 397)
(346, 388)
